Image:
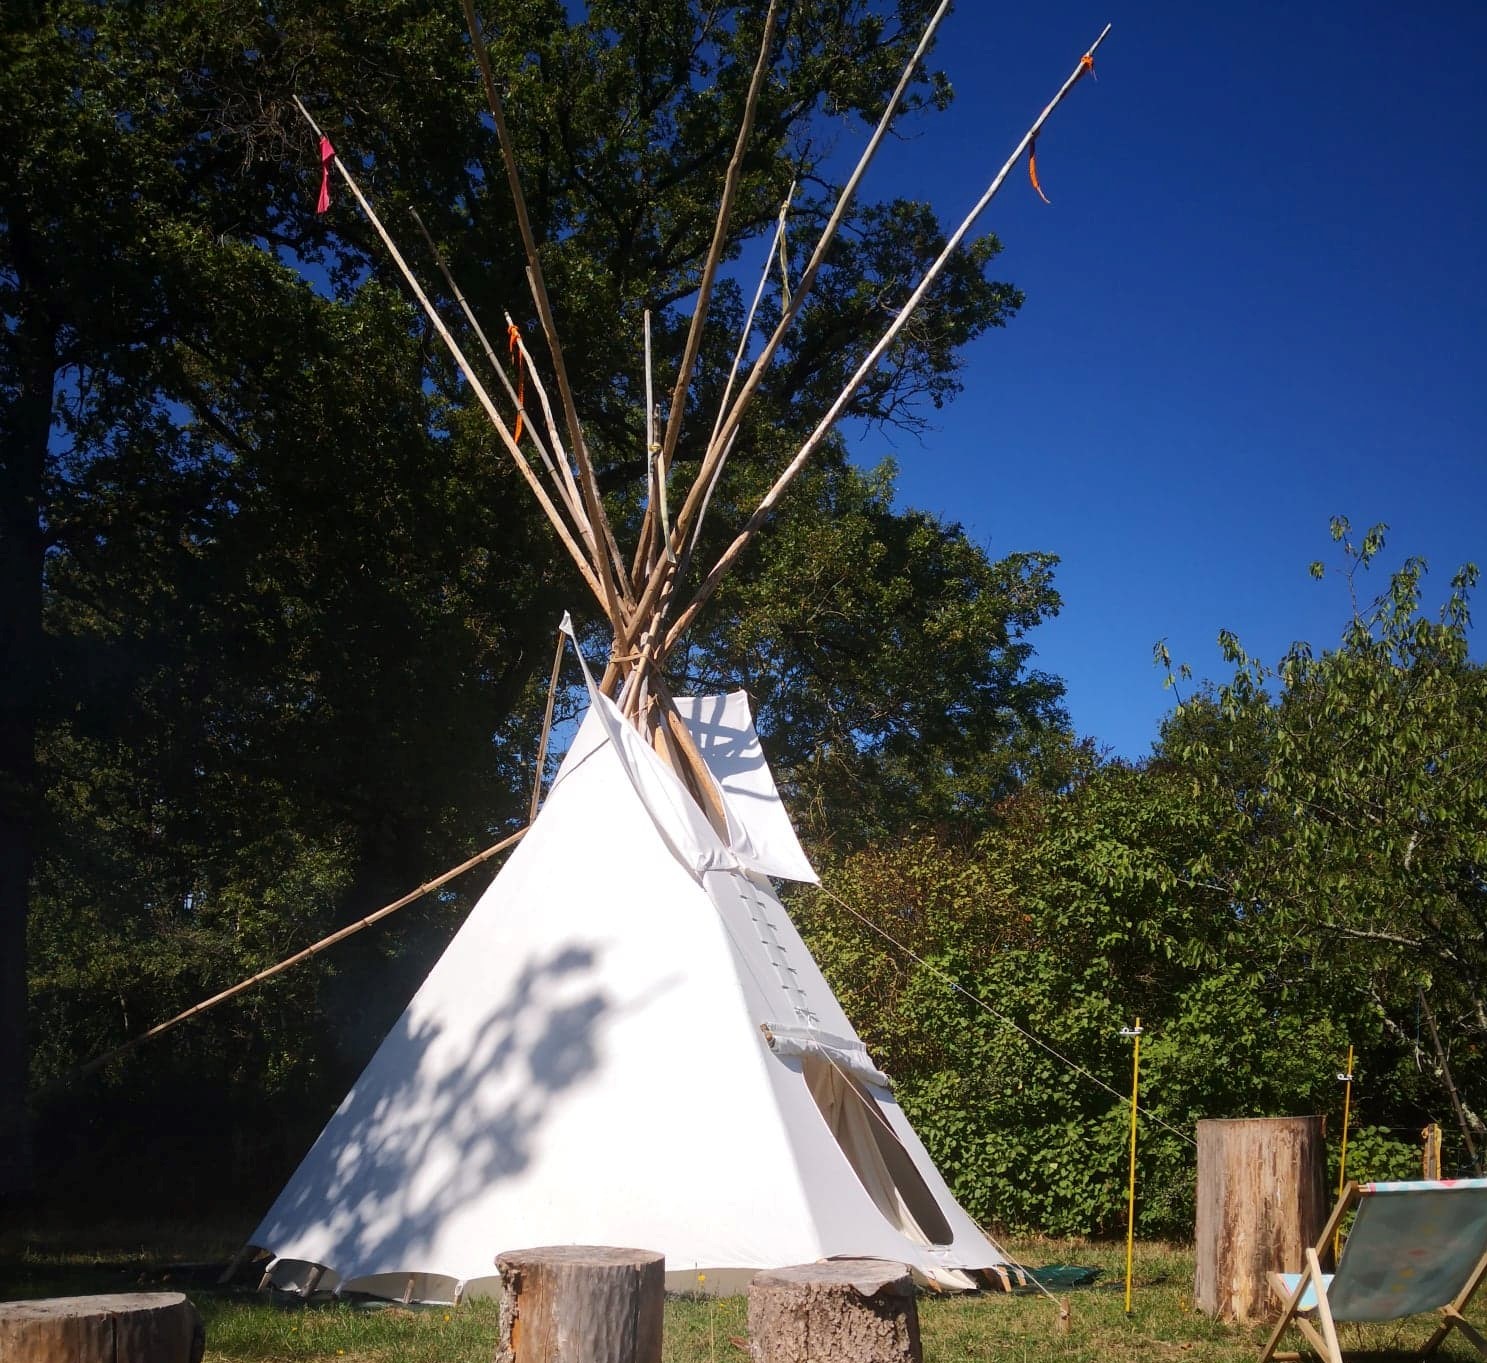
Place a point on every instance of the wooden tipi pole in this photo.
(538, 285)
(730, 418)
(813, 442)
(715, 251)
(242, 986)
(720, 442)
(478, 388)
(566, 489)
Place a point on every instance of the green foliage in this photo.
(1299, 868)
(1072, 916)
(1375, 1154)
(1363, 801)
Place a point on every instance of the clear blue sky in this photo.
(1256, 301)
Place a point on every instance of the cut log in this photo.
(846, 1310)
(1262, 1203)
(581, 1304)
(127, 1327)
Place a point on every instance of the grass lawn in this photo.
(243, 1325)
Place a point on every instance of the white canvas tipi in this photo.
(627, 1043)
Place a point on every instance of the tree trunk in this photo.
(581, 1304)
(25, 427)
(130, 1327)
(847, 1310)
(1261, 1203)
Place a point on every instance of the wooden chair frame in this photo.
(1325, 1341)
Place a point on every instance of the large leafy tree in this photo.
(830, 629)
(1363, 797)
(995, 969)
(1297, 869)
(270, 602)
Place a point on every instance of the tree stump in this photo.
(127, 1327)
(581, 1304)
(844, 1311)
(1261, 1203)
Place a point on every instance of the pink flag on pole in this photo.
(327, 155)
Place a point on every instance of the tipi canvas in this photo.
(627, 1043)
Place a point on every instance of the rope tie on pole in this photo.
(630, 655)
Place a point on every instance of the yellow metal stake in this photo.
(1135, 1034)
(1346, 1078)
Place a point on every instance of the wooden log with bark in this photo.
(125, 1327)
(1261, 1204)
(581, 1304)
(845, 1310)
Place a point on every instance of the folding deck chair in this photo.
(1414, 1247)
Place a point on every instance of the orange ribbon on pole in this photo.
(1032, 171)
(1086, 63)
(513, 346)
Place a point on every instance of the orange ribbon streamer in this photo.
(1086, 63)
(513, 346)
(1032, 171)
